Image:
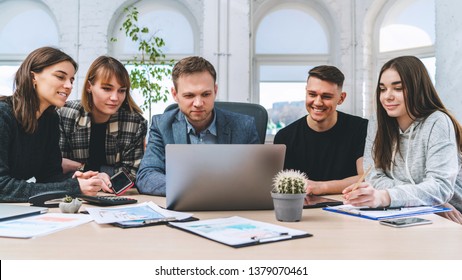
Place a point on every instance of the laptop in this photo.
(211, 177)
(11, 211)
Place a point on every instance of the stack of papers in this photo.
(147, 213)
(41, 224)
(386, 213)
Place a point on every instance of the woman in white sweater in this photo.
(414, 145)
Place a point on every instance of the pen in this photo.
(361, 178)
(280, 236)
(380, 209)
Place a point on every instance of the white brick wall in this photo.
(84, 26)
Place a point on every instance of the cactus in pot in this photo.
(289, 181)
(289, 191)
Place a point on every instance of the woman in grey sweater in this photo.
(414, 146)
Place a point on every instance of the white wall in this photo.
(225, 39)
(449, 54)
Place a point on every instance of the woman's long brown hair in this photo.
(421, 100)
(24, 100)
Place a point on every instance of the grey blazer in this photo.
(170, 128)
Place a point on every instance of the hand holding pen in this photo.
(347, 191)
(363, 194)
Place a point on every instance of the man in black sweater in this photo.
(326, 144)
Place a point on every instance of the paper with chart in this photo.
(236, 231)
(146, 211)
(41, 224)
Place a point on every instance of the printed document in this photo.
(147, 211)
(41, 224)
(238, 232)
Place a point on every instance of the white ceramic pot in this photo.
(70, 207)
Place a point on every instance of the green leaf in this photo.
(147, 74)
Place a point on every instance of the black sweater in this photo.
(328, 155)
(24, 155)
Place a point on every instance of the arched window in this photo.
(408, 28)
(169, 20)
(19, 26)
(290, 39)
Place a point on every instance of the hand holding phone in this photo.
(121, 183)
(405, 222)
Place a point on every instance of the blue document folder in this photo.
(386, 213)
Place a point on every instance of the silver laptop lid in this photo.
(11, 211)
(221, 176)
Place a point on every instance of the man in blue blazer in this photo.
(195, 121)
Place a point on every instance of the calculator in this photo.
(107, 200)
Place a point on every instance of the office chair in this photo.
(254, 110)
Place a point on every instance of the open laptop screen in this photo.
(221, 176)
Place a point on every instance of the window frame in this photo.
(317, 12)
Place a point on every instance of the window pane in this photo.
(285, 103)
(408, 24)
(22, 26)
(290, 31)
(6, 79)
(173, 27)
(283, 73)
(430, 64)
(166, 23)
(156, 108)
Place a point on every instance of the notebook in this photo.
(11, 211)
(213, 177)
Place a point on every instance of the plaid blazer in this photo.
(124, 138)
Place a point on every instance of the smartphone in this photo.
(405, 222)
(121, 183)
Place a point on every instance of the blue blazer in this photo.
(170, 128)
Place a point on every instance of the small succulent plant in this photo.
(70, 204)
(289, 181)
(68, 199)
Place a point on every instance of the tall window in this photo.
(24, 26)
(289, 41)
(408, 28)
(172, 22)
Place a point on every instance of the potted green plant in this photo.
(288, 193)
(70, 205)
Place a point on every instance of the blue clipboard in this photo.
(386, 214)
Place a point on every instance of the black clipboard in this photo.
(153, 222)
(276, 233)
